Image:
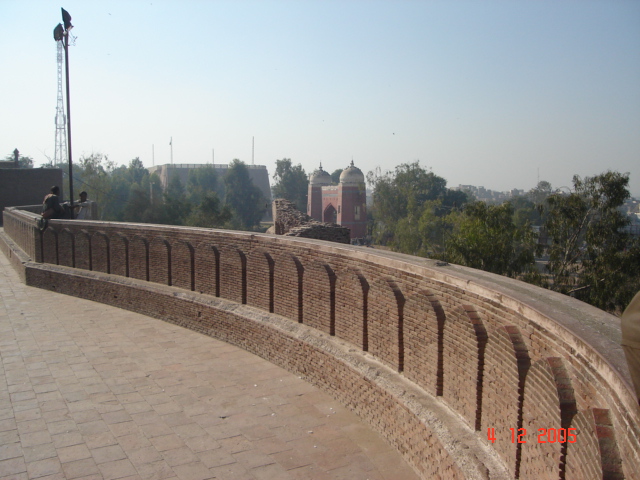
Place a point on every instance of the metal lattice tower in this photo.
(61, 153)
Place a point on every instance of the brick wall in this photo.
(288, 220)
(499, 353)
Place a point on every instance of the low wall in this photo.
(450, 364)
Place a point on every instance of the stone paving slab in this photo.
(89, 391)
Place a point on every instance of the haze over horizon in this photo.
(488, 93)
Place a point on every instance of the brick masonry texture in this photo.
(288, 220)
(392, 337)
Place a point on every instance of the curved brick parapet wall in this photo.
(433, 356)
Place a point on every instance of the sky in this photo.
(493, 93)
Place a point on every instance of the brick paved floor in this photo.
(90, 391)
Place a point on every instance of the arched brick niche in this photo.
(352, 292)
(318, 297)
(233, 274)
(465, 339)
(385, 317)
(119, 254)
(288, 278)
(182, 265)
(83, 250)
(160, 261)
(502, 355)
(424, 321)
(260, 286)
(100, 253)
(506, 364)
(138, 257)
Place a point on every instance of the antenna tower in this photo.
(61, 152)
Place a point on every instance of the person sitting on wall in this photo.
(630, 323)
(84, 206)
(51, 207)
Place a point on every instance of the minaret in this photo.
(352, 199)
(317, 180)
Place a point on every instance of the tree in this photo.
(540, 192)
(153, 185)
(291, 183)
(243, 198)
(137, 171)
(485, 237)
(209, 212)
(137, 204)
(94, 173)
(525, 211)
(591, 256)
(335, 176)
(202, 181)
(423, 234)
(403, 194)
(176, 207)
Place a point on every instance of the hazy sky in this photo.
(491, 93)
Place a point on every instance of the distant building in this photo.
(344, 204)
(489, 196)
(258, 174)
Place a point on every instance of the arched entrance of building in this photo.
(330, 215)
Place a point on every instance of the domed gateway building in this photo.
(344, 204)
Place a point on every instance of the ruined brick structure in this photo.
(344, 204)
(446, 362)
(288, 220)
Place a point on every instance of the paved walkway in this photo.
(94, 392)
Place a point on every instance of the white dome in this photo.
(352, 175)
(320, 177)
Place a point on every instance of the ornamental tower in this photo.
(352, 201)
(317, 180)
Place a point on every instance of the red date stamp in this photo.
(545, 435)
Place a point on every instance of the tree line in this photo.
(128, 193)
(571, 242)
(574, 242)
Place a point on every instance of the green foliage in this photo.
(525, 211)
(399, 200)
(486, 237)
(421, 235)
(292, 183)
(94, 173)
(210, 212)
(539, 194)
(590, 254)
(201, 181)
(137, 204)
(243, 198)
(129, 193)
(136, 171)
(335, 176)
(176, 207)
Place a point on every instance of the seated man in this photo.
(51, 207)
(85, 207)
